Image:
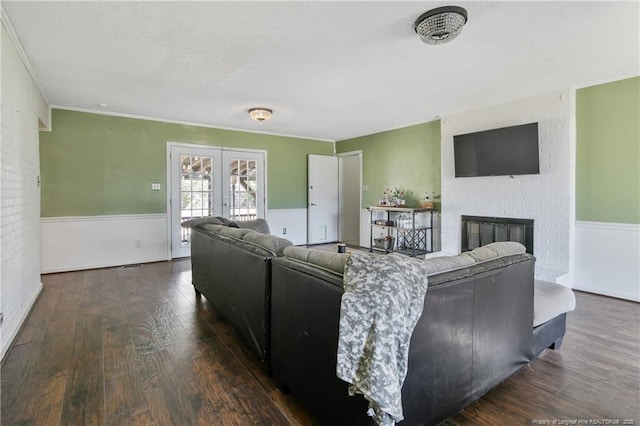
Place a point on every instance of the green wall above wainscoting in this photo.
(95, 164)
(608, 152)
(407, 158)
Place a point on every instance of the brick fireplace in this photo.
(547, 198)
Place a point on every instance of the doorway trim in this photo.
(350, 154)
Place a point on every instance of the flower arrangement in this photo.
(392, 197)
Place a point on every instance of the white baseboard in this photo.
(86, 242)
(606, 260)
(293, 220)
(608, 292)
(6, 344)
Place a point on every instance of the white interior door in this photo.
(322, 195)
(243, 185)
(195, 191)
(350, 200)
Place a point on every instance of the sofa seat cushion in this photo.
(551, 300)
(325, 259)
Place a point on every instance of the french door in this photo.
(211, 181)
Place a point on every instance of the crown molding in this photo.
(185, 123)
(6, 22)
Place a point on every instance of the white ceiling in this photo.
(329, 70)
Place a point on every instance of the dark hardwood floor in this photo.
(134, 345)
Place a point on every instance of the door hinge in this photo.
(170, 202)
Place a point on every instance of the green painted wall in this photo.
(94, 164)
(608, 152)
(407, 158)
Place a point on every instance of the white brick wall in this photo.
(23, 110)
(547, 198)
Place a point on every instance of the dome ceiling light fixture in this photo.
(440, 25)
(260, 114)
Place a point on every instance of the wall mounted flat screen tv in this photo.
(499, 152)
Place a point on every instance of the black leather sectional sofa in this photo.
(474, 332)
(284, 302)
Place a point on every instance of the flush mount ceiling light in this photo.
(440, 25)
(260, 114)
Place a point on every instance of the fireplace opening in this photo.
(480, 230)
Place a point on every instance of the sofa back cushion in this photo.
(271, 243)
(234, 232)
(212, 228)
(495, 250)
(215, 220)
(436, 265)
(258, 225)
(274, 244)
(325, 259)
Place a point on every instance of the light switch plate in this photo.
(155, 186)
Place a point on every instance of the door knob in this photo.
(312, 204)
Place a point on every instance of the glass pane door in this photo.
(244, 181)
(196, 187)
(196, 191)
(243, 189)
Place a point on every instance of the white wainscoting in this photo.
(85, 242)
(294, 220)
(606, 260)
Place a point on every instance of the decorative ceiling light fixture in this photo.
(260, 114)
(441, 24)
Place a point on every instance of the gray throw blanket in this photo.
(382, 302)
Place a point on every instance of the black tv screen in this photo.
(498, 152)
